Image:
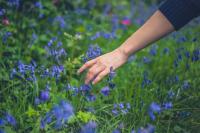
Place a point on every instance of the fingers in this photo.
(94, 71)
(100, 76)
(86, 65)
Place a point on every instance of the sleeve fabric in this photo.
(180, 12)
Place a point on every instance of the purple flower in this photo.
(61, 21)
(128, 106)
(56, 71)
(187, 54)
(186, 85)
(6, 36)
(196, 55)
(13, 3)
(34, 38)
(105, 91)
(2, 11)
(37, 101)
(2, 122)
(154, 108)
(146, 60)
(115, 112)
(85, 87)
(10, 119)
(145, 81)
(67, 108)
(60, 113)
(133, 131)
(166, 50)
(91, 97)
(39, 5)
(46, 120)
(116, 131)
(94, 37)
(171, 94)
(90, 127)
(167, 105)
(121, 105)
(112, 73)
(148, 129)
(2, 131)
(92, 52)
(153, 50)
(44, 95)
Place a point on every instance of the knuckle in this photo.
(86, 64)
(90, 72)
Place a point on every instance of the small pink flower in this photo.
(5, 21)
(126, 22)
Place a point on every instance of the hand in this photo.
(100, 66)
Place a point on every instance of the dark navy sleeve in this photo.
(180, 12)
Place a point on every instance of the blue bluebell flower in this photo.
(91, 4)
(56, 71)
(148, 129)
(6, 36)
(106, 8)
(121, 108)
(185, 85)
(121, 105)
(107, 35)
(128, 106)
(90, 127)
(85, 87)
(196, 55)
(38, 5)
(2, 131)
(61, 21)
(167, 105)
(166, 50)
(133, 131)
(90, 97)
(34, 38)
(154, 108)
(145, 81)
(15, 3)
(105, 91)
(153, 50)
(111, 74)
(171, 94)
(187, 54)
(94, 37)
(37, 101)
(2, 11)
(10, 119)
(60, 113)
(146, 60)
(116, 131)
(44, 95)
(115, 112)
(2, 122)
(92, 52)
(46, 120)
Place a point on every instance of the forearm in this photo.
(155, 28)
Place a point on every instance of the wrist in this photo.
(123, 52)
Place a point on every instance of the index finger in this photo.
(86, 65)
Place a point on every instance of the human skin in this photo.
(155, 28)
